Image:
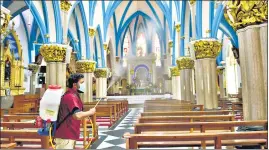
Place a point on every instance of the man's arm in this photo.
(79, 115)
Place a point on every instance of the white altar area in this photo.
(141, 73)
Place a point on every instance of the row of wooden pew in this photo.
(177, 125)
(19, 130)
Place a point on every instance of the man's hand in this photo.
(92, 111)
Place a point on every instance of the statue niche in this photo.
(7, 69)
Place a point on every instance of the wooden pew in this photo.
(103, 111)
(23, 125)
(135, 141)
(116, 107)
(124, 104)
(186, 113)
(29, 103)
(25, 134)
(161, 119)
(194, 126)
(7, 146)
(160, 107)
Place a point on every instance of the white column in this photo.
(86, 67)
(220, 70)
(101, 82)
(53, 74)
(252, 46)
(176, 83)
(186, 65)
(129, 74)
(34, 69)
(154, 73)
(205, 72)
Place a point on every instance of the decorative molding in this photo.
(85, 66)
(185, 63)
(192, 2)
(240, 14)
(53, 53)
(174, 71)
(177, 27)
(5, 18)
(170, 44)
(92, 32)
(33, 67)
(101, 73)
(65, 5)
(207, 48)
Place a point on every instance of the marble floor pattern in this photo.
(111, 138)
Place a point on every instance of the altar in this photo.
(141, 73)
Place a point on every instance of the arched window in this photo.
(157, 50)
(141, 45)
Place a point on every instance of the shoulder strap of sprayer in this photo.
(69, 114)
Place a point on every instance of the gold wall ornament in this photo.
(192, 2)
(33, 67)
(220, 71)
(53, 53)
(5, 22)
(177, 26)
(100, 73)
(65, 5)
(207, 49)
(170, 44)
(185, 63)
(92, 32)
(85, 66)
(240, 14)
(174, 71)
(105, 47)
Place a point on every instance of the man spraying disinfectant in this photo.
(70, 113)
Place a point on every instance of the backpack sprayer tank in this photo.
(48, 111)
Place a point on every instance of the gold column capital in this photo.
(206, 48)
(65, 5)
(85, 66)
(220, 70)
(240, 14)
(105, 46)
(53, 53)
(101, 72)
(185, 63)
(177, 26)
(117, 58)
(174, 71)
(92, 31)
(33, 68)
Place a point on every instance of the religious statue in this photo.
(7, 69)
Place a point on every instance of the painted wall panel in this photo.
(119, 11)
(72, 27)
(38, 5)
(86, 9)
(98, 15)
(28, 17)
(16, 6)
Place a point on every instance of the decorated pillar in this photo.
(101, 82)
(91, 37)
(55, 56)
(5, 18)
(65, 6)
(175, 83)
(86, 67)
(220, 70)
(251, 29)
(34, 69)
(206, 51)
(186, 65)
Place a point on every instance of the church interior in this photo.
(189, 74)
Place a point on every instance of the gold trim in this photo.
(207, 49)
(85, 66)
(174, 71)
(65, 5)
(5, 23)
(240, 14)
(170, 44)
(53, 53)
(92, 32)
(185, 63)
(177, 26)
(100, 72)
(192, 2)
(33, 67)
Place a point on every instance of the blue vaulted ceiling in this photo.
(123, 15)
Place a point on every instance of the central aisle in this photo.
(111, 138)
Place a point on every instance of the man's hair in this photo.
(74, 78)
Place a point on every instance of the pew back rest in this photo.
(186, 113)
(212, 118)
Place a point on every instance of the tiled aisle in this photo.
(111, 138)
